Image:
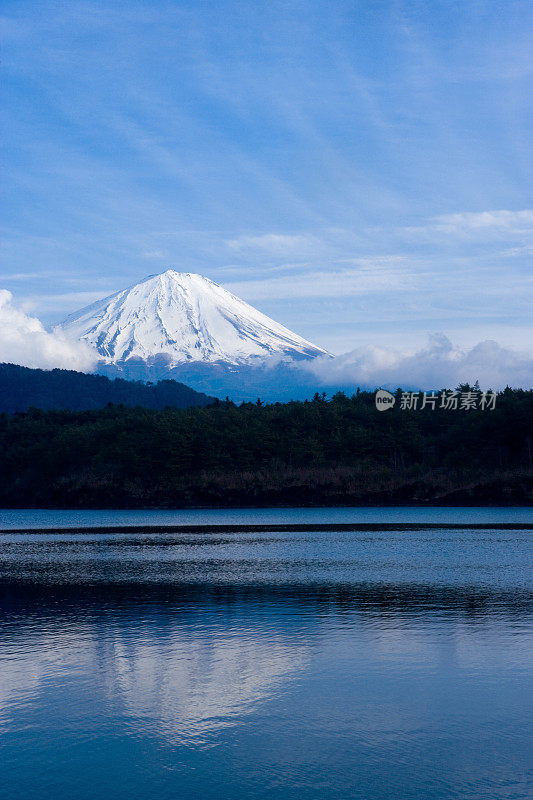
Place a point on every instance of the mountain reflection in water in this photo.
(365, 665)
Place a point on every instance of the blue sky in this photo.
(360, 171)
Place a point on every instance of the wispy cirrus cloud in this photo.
(370, 277)
(513, 220)
(501, 223)
(154, 255)
(275, 243)
(503, 220)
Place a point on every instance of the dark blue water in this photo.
(360, 664)
(50, 518)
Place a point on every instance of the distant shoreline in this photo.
(316, 527)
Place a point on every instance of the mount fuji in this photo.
(184, 326)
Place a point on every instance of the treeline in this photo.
(22, 388)
(323, 451)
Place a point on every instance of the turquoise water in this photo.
(360, 664)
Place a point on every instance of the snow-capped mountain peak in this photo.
(181, 318)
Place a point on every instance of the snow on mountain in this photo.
(181, 318)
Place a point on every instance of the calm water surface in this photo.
(50, 518)
(360, 664)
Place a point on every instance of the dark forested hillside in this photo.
(22, 388)
(338, 451)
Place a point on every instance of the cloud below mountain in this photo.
(439, 364)
(23, 340)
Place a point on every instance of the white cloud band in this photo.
(436, 366)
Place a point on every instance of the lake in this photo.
(367, 663)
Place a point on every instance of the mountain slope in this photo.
(22, 388)
(182, 318)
